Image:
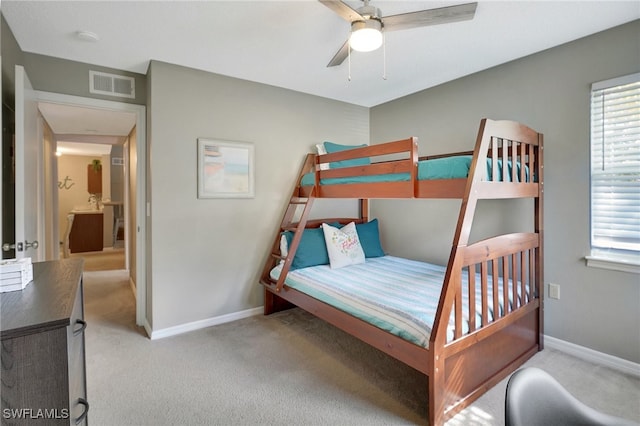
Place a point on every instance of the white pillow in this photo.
(321, 151)
(343, 245)
(284, 247)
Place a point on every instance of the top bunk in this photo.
(505, 163)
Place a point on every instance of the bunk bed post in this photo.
(440, 392)
(436, 387)
(539, 229)
(364, 209)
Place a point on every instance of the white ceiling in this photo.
(67, 120)
(83, 148)
(289, 43)
(86, 131)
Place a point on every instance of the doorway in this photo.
(92, 189)
(135, 208)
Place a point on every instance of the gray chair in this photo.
(535, 398)
(118, 219)
(118, 223)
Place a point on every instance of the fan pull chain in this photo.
(384, 56)
(349, 60)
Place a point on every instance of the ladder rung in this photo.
(278, 256)
(298, 200)
(290, 228)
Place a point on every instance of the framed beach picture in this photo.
(225, 169)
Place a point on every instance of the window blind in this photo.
(615, 164)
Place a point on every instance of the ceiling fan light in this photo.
(366, 36)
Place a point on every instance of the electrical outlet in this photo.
(554, 291)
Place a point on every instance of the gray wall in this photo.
(549, 91)
(207, 254)
(11, 55)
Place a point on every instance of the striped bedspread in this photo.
(395, 294)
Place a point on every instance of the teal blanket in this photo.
(438, 168)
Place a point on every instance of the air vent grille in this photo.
(102, 83)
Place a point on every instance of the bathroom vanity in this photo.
(87, 231)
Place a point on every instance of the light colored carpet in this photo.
(285, 369)
(105, 260)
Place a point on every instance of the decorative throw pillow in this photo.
(369, 237)
(312, 249)
(343, 245)
(334, 147)
(322, 151)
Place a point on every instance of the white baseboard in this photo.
(196, 325)
(133, 287)
(596, 357)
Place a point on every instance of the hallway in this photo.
(106, 260)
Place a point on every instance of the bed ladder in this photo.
(297, 228)
(288, 224)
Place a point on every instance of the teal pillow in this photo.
(369, 237)
(312, 249)
(334, 147)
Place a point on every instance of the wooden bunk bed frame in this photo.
(460, 369)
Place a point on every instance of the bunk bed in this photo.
(487, 317)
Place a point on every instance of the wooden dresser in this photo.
(43, 354)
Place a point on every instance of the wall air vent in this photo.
(102, 83)
(117, 161)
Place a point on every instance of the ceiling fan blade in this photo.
(343, 10)
(340, 56)
(441, 15)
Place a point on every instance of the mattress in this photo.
(395, 294)
(456, 167)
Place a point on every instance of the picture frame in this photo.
(226, 169)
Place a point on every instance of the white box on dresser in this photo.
(15, 274)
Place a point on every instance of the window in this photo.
(615, 174)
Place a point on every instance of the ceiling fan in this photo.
(367, 23)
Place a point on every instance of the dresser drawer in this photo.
(34, 379)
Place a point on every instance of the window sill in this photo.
(629, 264)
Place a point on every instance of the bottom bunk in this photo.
(398, 295)
(397, 306)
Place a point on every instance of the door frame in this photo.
(29, 211)
(142, 209)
